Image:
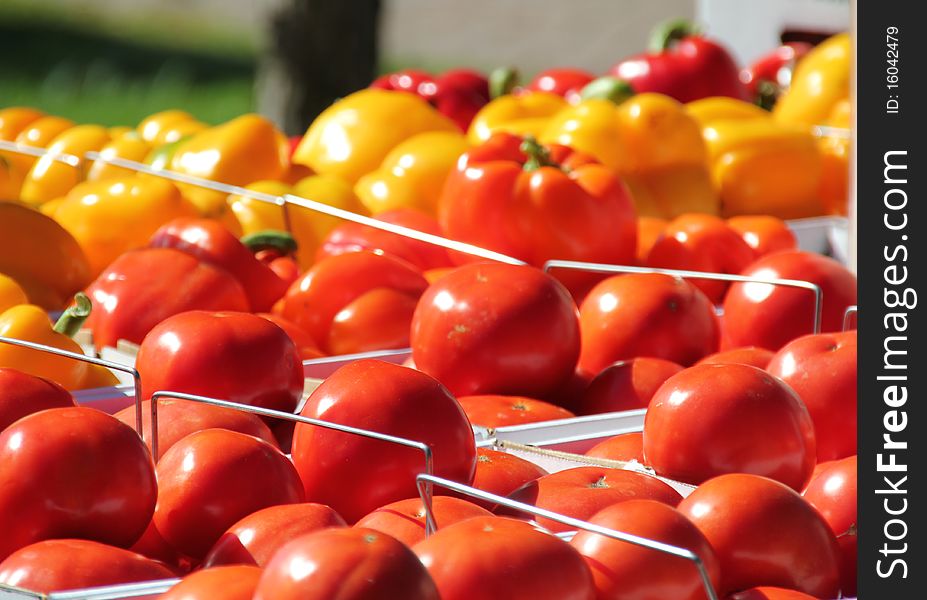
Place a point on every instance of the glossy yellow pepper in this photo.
(413, 173)
(153, 128)
(835, 157)
(523, 114)
(821, 80)
(37, 134)
(41, 256)
(49, 178)
(716, 108)
(11, 293)
(110, 217)
(16, 118)
(309, 228)
(353, 136)
(129, 146)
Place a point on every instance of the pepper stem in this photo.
(669, 32)
(538, 155)
(270, 239)
(73, 317)
(607, 88)
(502, 81)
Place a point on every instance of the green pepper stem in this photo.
(538, 155)
(270, 239)
(502, 81)
(71, 320)
(607, 88)
(669, 32)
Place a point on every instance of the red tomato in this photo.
(764, 533)
(626, 446)
(496, 329)
(764, 233)
(501, 473)
(58, 565)
(254, 539)
(625, 385)
(232, 356)
(348, 564)
(749, 355)
(179, 418)
(770, 593)
(304, 342)
(627, 316)
(500, 411)
(152, 545)
(405, 520)
(649, 230)
(581, 492)
(376, 320)
(769, 316)
(623, 570)
(354, 474)
(833, 493)
(488, 558)
(714, 419)
(73, 472)
(564, 82)
(211, 479)
(822, 370)
(22, 394)
(333, 283)
(699, 242)
(219, 583)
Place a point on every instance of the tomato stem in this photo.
(502, 81)
(270, 239)
(538, 155)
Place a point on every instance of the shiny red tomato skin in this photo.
(633, 315)
(711, 420)
(625, 385)
(254, 539)
(236, 582)
(493, 410)
(376, 320)
(833, 493)
(308, 349)
(623, 570)
(22, 394)
(232, 356)
(501, 473)
(152, 545)
(73, 472)
(770, 593)
(350, 564)
(581, 492)
(349, 472)
(626, 446)
(67, 564)
(764, 233)
(748, 355)
(764, 533)
(487, 558)
(211, 479)
(496, 329)
(768, 316)
(405, 519)
(822, 370)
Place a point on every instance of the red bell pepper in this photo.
(458, 94)
(684, 65)
(563, 82)
(771, 74)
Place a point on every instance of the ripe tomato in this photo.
(496, 329)
(764, 233)
(501, 473)
(770, 593)
(254, 539)
(499, 411)
(22, 394)
(152, 545)
(304, 342)
(179, 418)
(73, 472)
(236, 582)
(748, 355)
(212, 478)
(833, 493)
(626, 446)
(822, 370)
(376, 320)
(769, 316)
(627, 316)
(58, 565)
(625, 385)
(348, 564)
(354, 474)
(334, 283)
(764, 533)
(714, 419)
(698, 242)
(238, 357)
(623, 570)
(649, 230)
(405, 520)
(581, 492)
(494, 557)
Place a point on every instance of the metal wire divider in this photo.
(848, 314)
(686, 274)
(425, 482)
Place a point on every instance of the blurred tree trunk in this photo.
(319, 50)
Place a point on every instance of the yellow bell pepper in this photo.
(353, 136)
(821, 80)
(154, 127)
(110, 217)
(11, 294)
(413, 173)
(38, 134)
(835, 156)
(308, 228)
(118, 131)
(49, 178)
(524, 114)
(716, 108)
(129, 146)
(41, 256)
(15, 119)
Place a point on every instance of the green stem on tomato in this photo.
(669, 32)
(73, 317)
(502, 81)
(538, 155)
(607, 88)
(270, 239)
